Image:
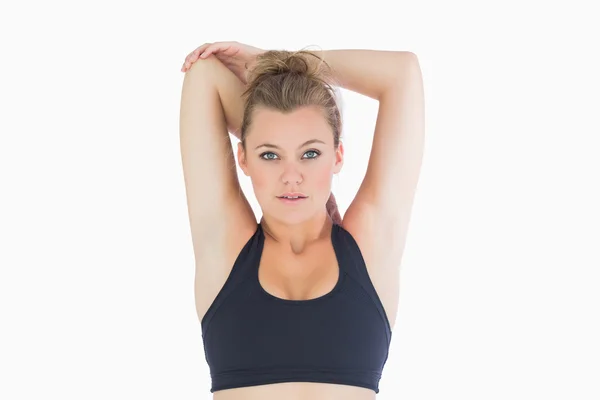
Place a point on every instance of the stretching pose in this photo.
(300, 305)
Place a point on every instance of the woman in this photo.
(302, 304)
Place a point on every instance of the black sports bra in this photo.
(254, 338)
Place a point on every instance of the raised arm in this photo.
(210, 103)
(394, 78)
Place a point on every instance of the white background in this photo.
(499, 284)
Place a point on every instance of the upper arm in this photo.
(214, 198)
(393, 170)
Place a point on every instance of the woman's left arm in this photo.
(394, 79)
(368, 72)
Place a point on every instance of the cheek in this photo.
(260, 181)
(322, 178)
(320, 182)
(263, 179)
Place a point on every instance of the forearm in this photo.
(368, 72)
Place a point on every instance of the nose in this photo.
(291, 174)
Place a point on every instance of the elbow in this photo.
(401, 69)
(406, 71)
(202, 69)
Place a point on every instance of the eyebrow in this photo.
(302, 145)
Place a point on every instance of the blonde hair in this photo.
(285, 80)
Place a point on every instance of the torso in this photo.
(316, 275)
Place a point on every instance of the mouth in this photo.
(291, 200)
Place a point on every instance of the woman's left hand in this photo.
(236, 56)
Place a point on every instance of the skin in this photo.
(290, 168)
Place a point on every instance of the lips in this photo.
(291, 201)
(293, 194)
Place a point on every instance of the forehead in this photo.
(294, 126)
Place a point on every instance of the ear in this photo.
(339, 158)
(242, 161)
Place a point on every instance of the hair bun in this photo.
(278, 62)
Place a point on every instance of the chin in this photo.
(291, 218)
(290, 214)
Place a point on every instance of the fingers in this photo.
(206, 50)
(213, 48)
(193, 56)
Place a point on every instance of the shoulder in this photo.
(377, 237)
(360, 221)
(381, 237)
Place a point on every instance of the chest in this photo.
(299, 277)
(316, 273)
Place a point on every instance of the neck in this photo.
(296, 238)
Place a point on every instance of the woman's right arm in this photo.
(210, 105)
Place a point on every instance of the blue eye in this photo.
(313, 151)
(263, 154)
(317, 153)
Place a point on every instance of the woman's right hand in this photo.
(237, 57)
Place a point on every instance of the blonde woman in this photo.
(300, 305)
